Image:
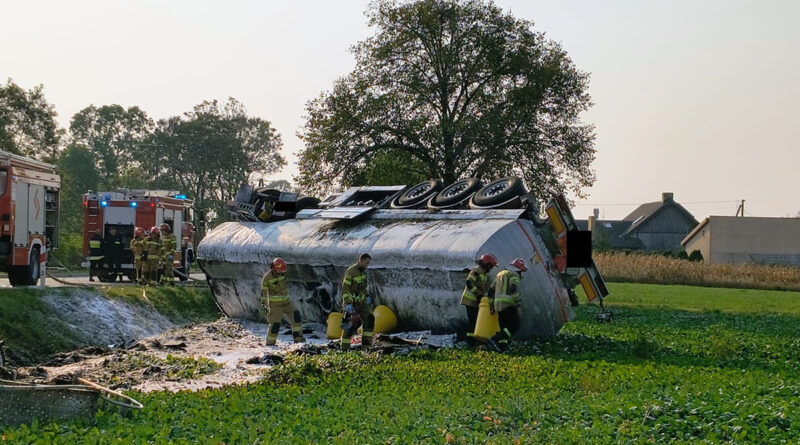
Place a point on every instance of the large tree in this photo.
(79, 174)
(209, 152)
(113, 135)
(28, 122)
(457, 88)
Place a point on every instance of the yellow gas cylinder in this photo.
(334, 325)
(486, 325)
(385, 320)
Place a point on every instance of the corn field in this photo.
(656, 269)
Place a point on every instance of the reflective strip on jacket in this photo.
(274, 288)
(477, 285)
(506, 290)
(354, 285)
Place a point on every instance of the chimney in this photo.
(596, 214)
(592, 222)
(666, 196)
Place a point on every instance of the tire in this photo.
(499, 192)
(16, 276)
(418, 195)
(105, 276)
(27, 275)
(305, 202)
(456, 193)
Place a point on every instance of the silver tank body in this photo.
(419, 267)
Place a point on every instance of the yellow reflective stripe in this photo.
(345, 341)
(469, 296)
(347, 280)
(95, 258)
(504, 299)
(366, 334)
(94, 244)
(360, 278)
(276, 299)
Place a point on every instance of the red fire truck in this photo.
(28, 216)
(126, 209)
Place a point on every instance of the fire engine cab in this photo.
(28, 216)
(126, 209)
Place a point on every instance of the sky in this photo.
(697, 98)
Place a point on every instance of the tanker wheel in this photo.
(418, 194)
(16, 276)
(457, 192)
(305, 202)
(499, 192)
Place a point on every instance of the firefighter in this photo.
(275, 302)
(137, 249)
(114, 249)
(357, 305)
(168, 246)
(507, 303)
(151, 256)
(95, 254)
(477, 287)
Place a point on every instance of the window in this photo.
(3, 181)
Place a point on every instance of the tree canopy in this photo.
(113, 135)
(209, 152)
(452, 88)
(28, 124)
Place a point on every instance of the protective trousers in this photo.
(168, 276)
(275, 313)
(94, 266)
(150, 271)
(365, 319)
(509, 324)
(137, 267)
(472, 319)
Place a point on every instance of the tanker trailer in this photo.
(421, 257)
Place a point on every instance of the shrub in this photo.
(682, 255)
(695, 256)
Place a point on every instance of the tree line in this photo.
(443, 89)
(205, 153)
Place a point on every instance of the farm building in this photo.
(729, 239)
(654, 226)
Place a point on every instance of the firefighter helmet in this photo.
(279, 265)
(166, 228)
(488, 259)
(155, 231)
(519, 263)
(139, 231)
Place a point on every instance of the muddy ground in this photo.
(208, 355)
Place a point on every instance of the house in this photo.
(730, 239)
(654, 226)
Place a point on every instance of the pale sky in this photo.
(698, 98)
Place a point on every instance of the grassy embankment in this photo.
(678, 364)
(33, 330)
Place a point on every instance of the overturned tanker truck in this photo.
(423, 240)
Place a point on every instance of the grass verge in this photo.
(668, 369)
(33, 330)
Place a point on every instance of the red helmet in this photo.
(139, 231)
(488, 259)
(154, 231)
(166, 228)
(279, 265)
(519, 263)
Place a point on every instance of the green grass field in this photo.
(678, 364)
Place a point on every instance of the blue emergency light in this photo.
(180, 196)
(104, 203)
(134, 204)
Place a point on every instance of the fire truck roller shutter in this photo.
(21, 203)
(120, 215)
(35, 209)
